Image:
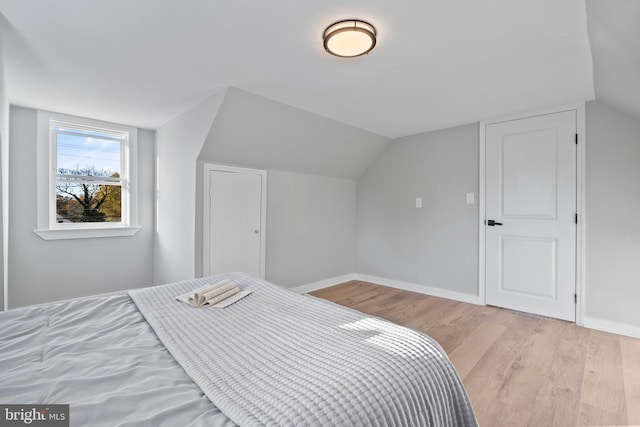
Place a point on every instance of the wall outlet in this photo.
(471, 198)
(418, 202)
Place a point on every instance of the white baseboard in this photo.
(611, 326)
(310, 287)
(422, 289)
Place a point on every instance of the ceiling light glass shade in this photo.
(349, 38)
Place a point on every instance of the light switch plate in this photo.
(418, 202)
(471, 198)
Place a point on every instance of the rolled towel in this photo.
(217, 291)
(219, 295)
(234, 290)
(198, 298)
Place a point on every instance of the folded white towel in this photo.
(199, 296)
(221, 297)
(218, 291)
(218, 295)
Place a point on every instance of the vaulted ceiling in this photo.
(437, 64)
(614, 33)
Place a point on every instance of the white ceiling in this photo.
(437, 63)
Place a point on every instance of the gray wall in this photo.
(312, 165)
(437, 245)
(612, 212)
(311, 226)
(41, 271)
(4, 180)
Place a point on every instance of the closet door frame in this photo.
(206, 232)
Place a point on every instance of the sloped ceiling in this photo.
(256, 132)
(437, 64)
(614, 32)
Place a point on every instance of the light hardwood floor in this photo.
(519, 369)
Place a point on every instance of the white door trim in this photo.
(579, 108)
(208, 168)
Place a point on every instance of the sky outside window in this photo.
(79, 151)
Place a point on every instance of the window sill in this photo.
(85, 233)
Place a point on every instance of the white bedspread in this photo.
(279, 358)
(98, 355)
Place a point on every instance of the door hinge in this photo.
(575, 298)
(576, 138)
(576, 218)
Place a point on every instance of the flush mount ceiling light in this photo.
(349, 38)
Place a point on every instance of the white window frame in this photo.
(46, 175)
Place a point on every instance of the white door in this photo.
(530, 239)
(234, 222)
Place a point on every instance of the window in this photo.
(89, 174)
(86, 178)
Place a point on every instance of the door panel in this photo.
(235, 202)
(531, 191)
(520, 276)
(530, 174)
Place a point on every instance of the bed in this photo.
(273, 358)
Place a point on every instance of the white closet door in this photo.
(235, 221)
(530, 211)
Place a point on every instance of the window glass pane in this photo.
(87, 202)
(87, 153)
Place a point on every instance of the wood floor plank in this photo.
(603, 382)
(559, 395)
(428, 320)
(505, 415)
(344, 290)
(592, 416)
(465, 356)
(529, 367)
(451, 326)
(518, 369)
(489, 380)
(630, 350)
(362, 300)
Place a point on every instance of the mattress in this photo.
(273, 358)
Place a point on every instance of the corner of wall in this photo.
(396, 240)
(611, 246)
(178, 144)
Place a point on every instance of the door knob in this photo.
(491, 223)
(256, 231)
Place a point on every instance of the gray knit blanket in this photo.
(277, 358)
